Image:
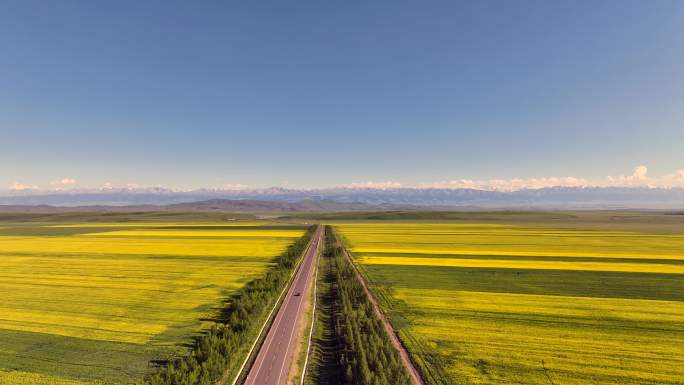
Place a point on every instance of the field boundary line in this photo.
(270, 314)
(313, 317)
(413, 372)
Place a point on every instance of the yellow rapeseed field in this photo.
(499, 304)
(96, 306)
(160, 225)
(145, 245)
(450, 239)
(523, 264)
(200, 233)
(28, 378)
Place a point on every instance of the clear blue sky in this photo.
(318, 93)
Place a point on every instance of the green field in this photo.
(539, 302)
(97, 303)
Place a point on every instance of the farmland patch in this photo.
(92, 305)
(486, 304)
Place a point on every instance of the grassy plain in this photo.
(94, 303)
(532, 302)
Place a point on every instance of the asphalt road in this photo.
(273, 360)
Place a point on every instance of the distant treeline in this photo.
(363, 352)
(222, 348)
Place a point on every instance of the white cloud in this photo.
(235, 187)
(64, 182)
(508, 184)
(638, 178)
(640, 172)
(373, 185)
(16, 186)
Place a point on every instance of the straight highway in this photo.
(275, 356)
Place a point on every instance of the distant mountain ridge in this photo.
(213, 205)
(342, 199)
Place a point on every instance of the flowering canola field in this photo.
(499, 304)
(94, 304)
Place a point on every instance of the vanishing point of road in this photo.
(272, 364)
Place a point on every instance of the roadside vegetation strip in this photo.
(414, 374)
(314, 296)
(365, 354)
(323, 364)
(220, 350)
(488, 320)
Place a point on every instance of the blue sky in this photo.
(311, 93)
